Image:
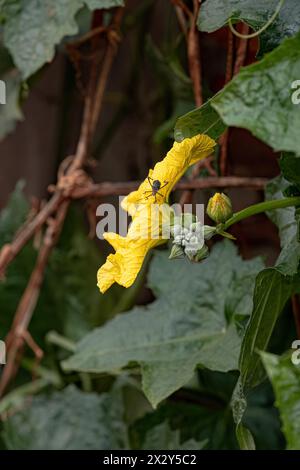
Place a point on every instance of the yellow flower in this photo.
(145, 231)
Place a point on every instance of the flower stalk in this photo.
(258, 209)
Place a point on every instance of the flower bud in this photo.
(196, 227)
(190, 253)
(202, 253)
(178, 240)
(193, 239)
(209, 232)
(219, 208)
(176, 252)
(176, 230)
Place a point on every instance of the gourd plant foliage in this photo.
(210, 323)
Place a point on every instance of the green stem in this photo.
(49, 375)
(46, 378)
(261, 30)
(65, 343)
(17, 396)
(258, 208)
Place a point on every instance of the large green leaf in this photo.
(259, 98)
(203, 120)
(215, 13)
(68, 420)
(33, 28)
(285, 378)
(272, 290)
(273, 287)
(285, 220)
(183, 328)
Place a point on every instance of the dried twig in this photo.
(185, 9)
(184, 14)
(228, 76)
(232, 70)
(193, 49)
(241, 51)
(9, 251)
(88, 36)
(92, 104)
(181, 20)
(194, 61)
(57, 207)
(123, 188)
(17, 334)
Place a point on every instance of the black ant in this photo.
(155, 187)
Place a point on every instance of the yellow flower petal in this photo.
(145, 231)
(170, 169)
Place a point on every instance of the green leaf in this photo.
(259, 98)
(183, 328)
(10, 112)
(215, 13)
(273, 287)
(203, 120)
(202, 413)
(245, 438)
(285, 378)
(272, 290)
(162, 437)
(33, 28)
(212, 426)
(68, 420)
(285, 219)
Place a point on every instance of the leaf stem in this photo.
(16, 397)
(262, 29)
(258, 208)
(58, 340)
